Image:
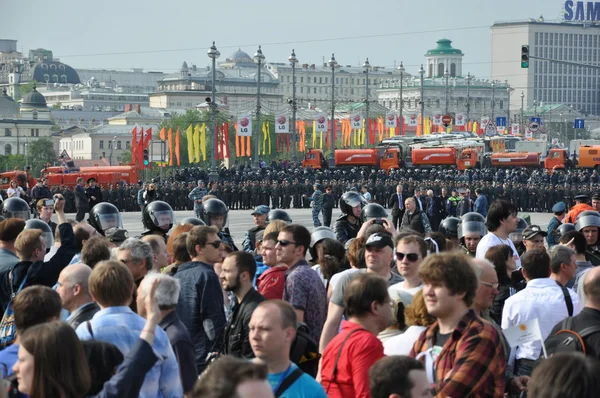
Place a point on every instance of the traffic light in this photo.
(524, 56)
(146, 157)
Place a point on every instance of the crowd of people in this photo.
(422, 304)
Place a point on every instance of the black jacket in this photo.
(183, 347)
(83, 314)
(394, 204)
(587, 317)
(237, 332)
(40, 273)
(344, 230)
(81, 199)
(516, 284)
(328, 201)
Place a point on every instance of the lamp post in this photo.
(293, 60)
(401, 70)
(112, 147)
(469, 77)
(258, 58)
(493, 100)
(509, 91)
(213, 54)
(535, 108)
(446, 76)
(332, 63)
(422, 72)
(366, 67)
(522, 102)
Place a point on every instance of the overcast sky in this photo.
(160, 35)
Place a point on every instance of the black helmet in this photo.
(350, 200)
(192, 220)
(104, 216)
(517, 236)
(319, 234)
(213, 208)
(590, 219)
(471, 223)
(449, 227)
(373, 210)
(564, 228)
(158, 216)
(278, 214)
(16, 208)
(47, 234)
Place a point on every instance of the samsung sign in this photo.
(582, 11)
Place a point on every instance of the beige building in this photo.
(549, 82)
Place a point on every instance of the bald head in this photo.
(77, 274)
(591, 288)
(73, 286)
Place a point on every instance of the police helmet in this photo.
(517, 236)
(351, 199)
(158, 216)
(373, 210)
(213, 208)
(564, 228)
(471, 223)
(591, 219)
(104, 216)
(16, 208)
(47, 234)
(318, 235)
(449, 227)
(192, 220)
(278, 214)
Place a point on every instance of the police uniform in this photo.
(552, 237)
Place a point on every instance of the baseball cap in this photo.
(260, 210)
(380, 240)
(116, 235)
(533, 230)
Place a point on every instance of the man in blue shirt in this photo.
(32, 306)
(272, 331)
(111, 286)
(481, 203)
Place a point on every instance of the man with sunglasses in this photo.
(200, 305)
(379, 254)
(304, 289)
(410, 252)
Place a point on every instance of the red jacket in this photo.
(271, 283)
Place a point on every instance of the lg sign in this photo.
(582, 11)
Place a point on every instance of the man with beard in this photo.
(237, 273)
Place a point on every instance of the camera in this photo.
(379, 221)
(49, 202)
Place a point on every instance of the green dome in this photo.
(34, 99)
(444, 47)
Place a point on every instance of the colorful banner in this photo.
(357, 121)
(436, 120)
(460, 120)
(390, 120)
(321, 124)
(134, 145)
(177, 149)
(515, 129)
(170, 143)
(282, 124)
(189, 134)
(244, 124)
(412, 120)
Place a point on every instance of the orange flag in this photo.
(170, 134)
(177, 154)
(162, 134)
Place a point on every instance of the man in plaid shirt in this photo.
(462, 353)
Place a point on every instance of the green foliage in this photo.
(125, 156)
(8, 162)
(41, 152)
(25, 89)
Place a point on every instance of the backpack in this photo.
(568, 340)
(8, 329)
(305, 351)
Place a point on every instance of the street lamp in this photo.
(332, 63)
(522, 103)
(112, 147)
(401, 70)
(213, 54)
(469, 77)
(366, 67)
(493, 100)
(422, 72)
(535, 103)
(446, 76)
(258, 58)
(293, 60)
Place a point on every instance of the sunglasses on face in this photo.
(216, 244)
(412, 257)
(284, 243)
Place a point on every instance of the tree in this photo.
(126, 156)
(25, 89)
(41, 152)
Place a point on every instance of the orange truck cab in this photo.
(8, 176)
(558, 158)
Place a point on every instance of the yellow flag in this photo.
(321, 140)
(190, 143)
(314, 134)
(269, 137)
(201, 143)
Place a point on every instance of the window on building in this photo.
(301, 90)
(109, 144)
(103, 154)
(118, 144)
(314, 79)
(326, 80)
(37, 132)
(7, 132)
(314, 90)
(453, 70)
(101, 143)
(33, 132)
(320, 80)
(301, 79)
(536, 38)
(7, 149)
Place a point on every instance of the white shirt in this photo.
(403, 343)
(395, 292)
(16, 192)
(367, 196)
(317, 268)
(542, 299)
(491, 240)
